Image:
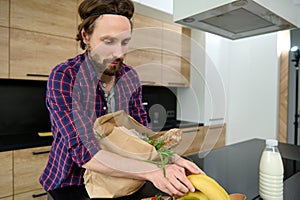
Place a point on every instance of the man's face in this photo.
(108, 44)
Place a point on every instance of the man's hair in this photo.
(90, 10)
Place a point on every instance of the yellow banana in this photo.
(209, 187)
(200, 195)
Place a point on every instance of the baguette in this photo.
(171, 138)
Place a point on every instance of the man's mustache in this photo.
(109, 61)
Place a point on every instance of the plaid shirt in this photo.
(75, 99)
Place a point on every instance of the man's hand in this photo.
(190, 167)
(175, 183)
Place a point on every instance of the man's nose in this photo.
(119, 51)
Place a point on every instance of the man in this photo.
(88, 86)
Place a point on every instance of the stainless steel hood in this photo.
(237, 19)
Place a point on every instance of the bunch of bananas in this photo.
(206, 189)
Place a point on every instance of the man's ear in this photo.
(85, 36)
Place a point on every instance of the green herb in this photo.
(155, 143)
(164, 154)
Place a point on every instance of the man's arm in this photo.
(175, 183)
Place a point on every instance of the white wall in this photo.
(247, 87)
(162, 5)
(249, 70)
(253, 89)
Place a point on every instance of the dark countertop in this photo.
(235, 167)
(174, 124)
(14, 141)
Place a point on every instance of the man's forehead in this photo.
(113, 26)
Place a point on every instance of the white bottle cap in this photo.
(271, 142)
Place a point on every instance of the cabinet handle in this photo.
(38, 195)
(172, 83)
(38, 75)
(192, 130)
(40, 152)
(215, 127)
(148, 82)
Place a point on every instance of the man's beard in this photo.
(112, 69)
(106, 67)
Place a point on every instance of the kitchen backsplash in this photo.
(160, 103)
(23, 111)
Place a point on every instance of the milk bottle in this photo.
(271, 172)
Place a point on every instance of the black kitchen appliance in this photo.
(23, 114)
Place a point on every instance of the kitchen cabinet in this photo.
(50, 17)
(33, 55)
(36, 36)
(147, 64)
(29, 165)
(6, 174)
(20, 172)
(176, 55)
(159, 52)
(4, 56)
(176, 71)
(144, 52)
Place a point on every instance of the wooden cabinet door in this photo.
(175, 56)
(215, 136)
(28, 167)
(4, 56)
(6, 174)
(4, 39)
(50, 17)
(42, 35)
(200, 138)
(4, 13)
(147, 63)
(175, 71)
(31, 195)
(33, 55)
(145, 49)
(191, 142)
(170, 65)
(7, 198)
(147, 33)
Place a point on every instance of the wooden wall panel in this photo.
(51, 16)
(283, 101)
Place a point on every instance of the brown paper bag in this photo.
(113, 133)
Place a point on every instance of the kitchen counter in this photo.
(169, 124)
(23, 140)
(14, 141)
(235, 167)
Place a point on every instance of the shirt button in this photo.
(104, 108)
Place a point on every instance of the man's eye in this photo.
(108, 41)
(125, 42)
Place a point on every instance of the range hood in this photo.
(237, 19)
